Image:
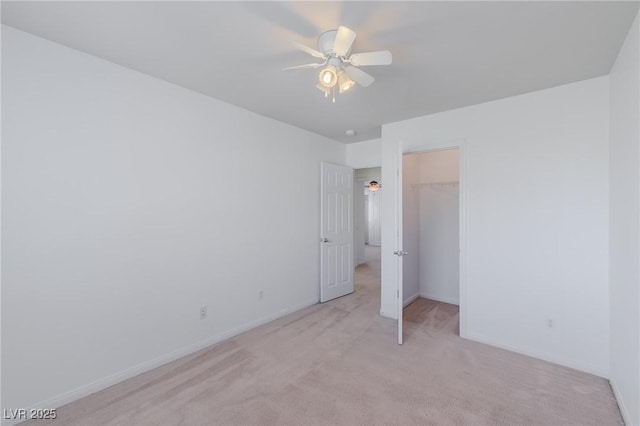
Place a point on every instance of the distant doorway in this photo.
(372, 218)
(366, 211)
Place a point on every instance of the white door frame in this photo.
(461, 228)
(459, 144)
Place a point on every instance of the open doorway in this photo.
(366, 211)
(366, 228)
(431, 237)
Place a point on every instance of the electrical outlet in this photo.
(203, 312)
(550, 322)
(260, 295)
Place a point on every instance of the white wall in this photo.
(535, 215)
(368, 174)
(439, 242)
(439, 194)
(411, 227)
(624, 226)
(364, 154)
(128, 203)
(439, 166)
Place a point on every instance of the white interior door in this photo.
(399, 252)
(336, 233)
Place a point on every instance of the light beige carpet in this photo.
(338, 363)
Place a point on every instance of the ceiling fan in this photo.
(339, 65)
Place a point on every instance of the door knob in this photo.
(325, 240)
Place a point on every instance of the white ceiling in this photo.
(445, 54)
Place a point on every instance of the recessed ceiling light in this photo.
(350, 132)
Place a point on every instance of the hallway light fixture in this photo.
(374, 186)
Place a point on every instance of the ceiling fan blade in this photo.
(359, 76)
(303, 66)
(344, 40)
(310, 51)
(381, 57)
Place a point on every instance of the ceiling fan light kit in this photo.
(339, 67)
(344, 82)
(329, 76)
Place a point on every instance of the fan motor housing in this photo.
(325, 43)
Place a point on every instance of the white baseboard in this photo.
(450, 301)
(587, 368)
(98, 385)
(626, 417)
(410, 300)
